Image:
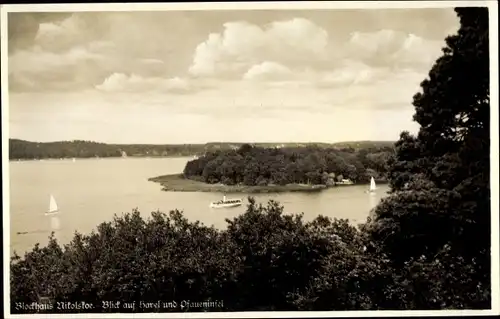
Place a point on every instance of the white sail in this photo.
(373, 186)
(52, 206)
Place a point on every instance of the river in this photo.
(90, 191)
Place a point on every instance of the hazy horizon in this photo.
(216, 142)
(195, 77)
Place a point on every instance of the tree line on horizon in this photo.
(427, 246)
(21, 149)
(252, 166)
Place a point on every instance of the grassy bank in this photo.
(177, 183)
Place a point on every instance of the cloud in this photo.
(292, 32)
(348, 72)
(416, 51)
(393, 48)
(43, 69)
(23, 27)
(64, 53)
(226, 53)
(297, 53)
(297, 41)
(81, 50)
(119, 82)
(267, 71)
(60, 36)
(389, 90)
(351, 72)
(66, 27)
(78, 50)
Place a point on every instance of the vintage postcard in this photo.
(273, 159)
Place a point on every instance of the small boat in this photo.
(373, 186)
(345, 182)
(53, 209)
(231, 202)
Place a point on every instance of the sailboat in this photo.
(373, 186)
(53, 209)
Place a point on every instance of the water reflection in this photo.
(373, 199)
(55, 226)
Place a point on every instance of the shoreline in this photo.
(177, 183)
(94, 158)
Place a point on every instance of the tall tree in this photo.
(440, 178)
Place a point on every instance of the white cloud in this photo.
(119, 82)
(267, 71)
(242, 45)
(351, 72)
(418, 51)
(207, 56)
(61, 35)
(369, 43)
(348, 72)
(290, 51)
(38, 60)
(47, 30)
(299, 34)
(389, 91)
(393, 48)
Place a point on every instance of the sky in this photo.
(230, 76)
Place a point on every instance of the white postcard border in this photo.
(320, 5)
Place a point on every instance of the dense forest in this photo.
(20, 149)
(251, 165)
(426, 247)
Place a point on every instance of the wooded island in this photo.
(258, 169)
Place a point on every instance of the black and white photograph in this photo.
(258, 159)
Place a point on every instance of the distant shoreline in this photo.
(177, 183)
(26, 150)
(94, 158)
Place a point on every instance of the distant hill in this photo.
(21, 149)
(353, 144)
(365, 144)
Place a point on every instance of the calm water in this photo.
(90, 191)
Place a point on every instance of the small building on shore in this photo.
(345, 182)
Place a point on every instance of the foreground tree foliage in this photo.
(265, 260)
(426, 247)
